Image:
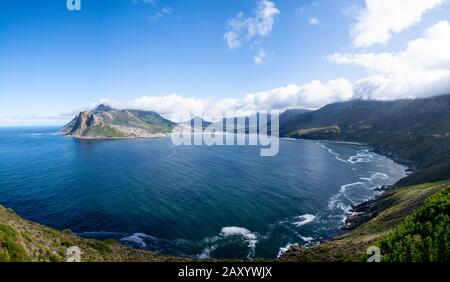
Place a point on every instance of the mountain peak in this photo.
(102, 108)
(107, 122)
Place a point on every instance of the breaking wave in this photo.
(333, 153)
(364, 156)
(304, 219)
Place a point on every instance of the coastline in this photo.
(116, 138)
(363, 212)
(369, 209)
(394, 207)
(38, 243)
(360, 212)
(159, 136)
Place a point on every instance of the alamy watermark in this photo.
(374, 254)
(73, 254)
(260, 130)
(74, 5)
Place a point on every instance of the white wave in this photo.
(250, 237)
(137, 239)
(334, 202)
(206, 253)
(375, 176)
(369, 179)
(379, 175)
(306, 239)
(363, 156)
(284, 249)
(304, 219)
(233, 230)
(333, 153)
(344, 187)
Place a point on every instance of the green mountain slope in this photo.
(415, 132)
(106, 122)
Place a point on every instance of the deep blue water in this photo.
(223, 201)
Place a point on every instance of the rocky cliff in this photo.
(106, 122)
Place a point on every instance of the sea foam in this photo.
(333, 153)
(250, 237)
(284, 249)
(304, 219)
(137, 239)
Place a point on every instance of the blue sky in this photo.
(162, 54)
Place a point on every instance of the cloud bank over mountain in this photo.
(311, 95)
(421, 69)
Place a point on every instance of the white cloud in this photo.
(314, 21)
(163, 12)
(260, 57)
(382, 18)
(232, 39)
(146, 2)
(178, 108)
(421, 70)
(243, 29)
(312, 95)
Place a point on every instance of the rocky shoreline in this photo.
(390, 209)
(365, 211)
(155, 136)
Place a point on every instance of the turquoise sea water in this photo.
(197, 201)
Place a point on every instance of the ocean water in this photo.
(194, 201)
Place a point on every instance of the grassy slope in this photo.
(22, 240)
(395, 206)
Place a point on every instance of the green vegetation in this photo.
(408, 228)
(314, 132)
(10, 249)
(105, 131)
(25, 241)
(157, 123)
(424, 236)
(414, 132)
(395, 207)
